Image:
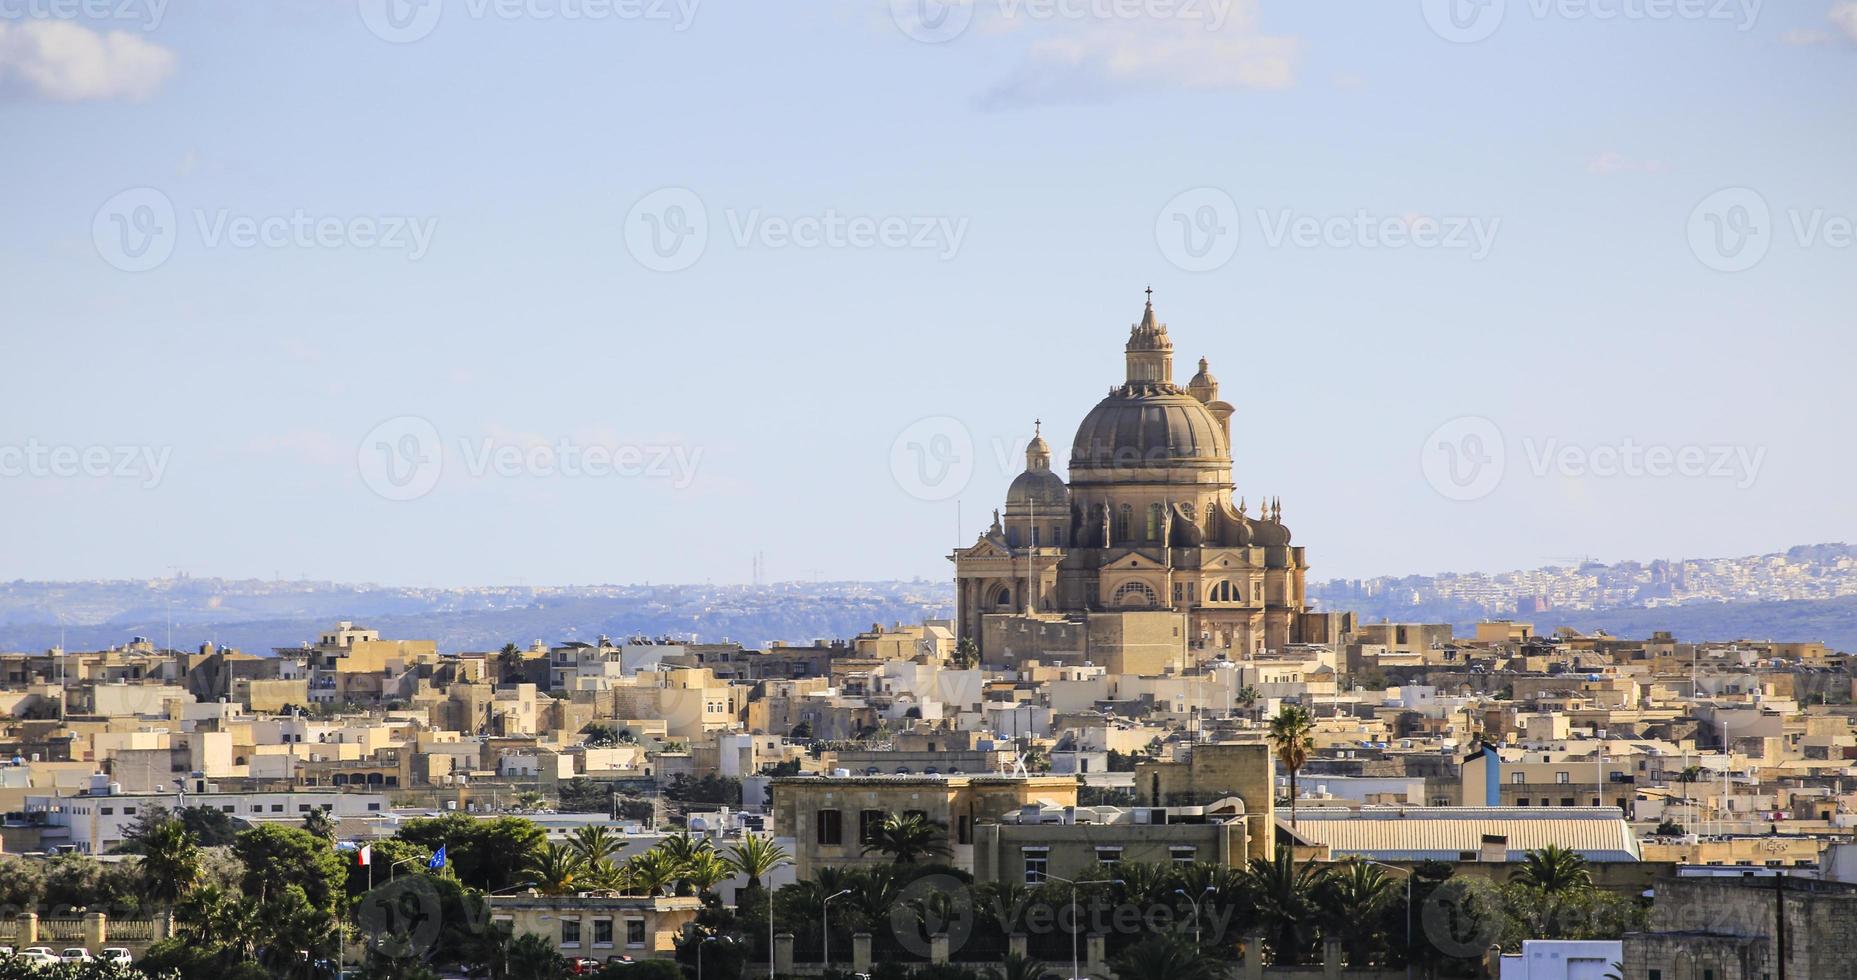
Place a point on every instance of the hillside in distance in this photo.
(1804, 593)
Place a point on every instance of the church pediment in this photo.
(1134, 560)
(985, 549)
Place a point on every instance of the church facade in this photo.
(1143, 559)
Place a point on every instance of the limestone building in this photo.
(1143, 559)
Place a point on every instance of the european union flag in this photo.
(438, 858)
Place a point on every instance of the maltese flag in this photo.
(365, 856)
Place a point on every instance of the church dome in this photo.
(1147, 428)
(1042, 489)
(1149, 421)
(1038, 487)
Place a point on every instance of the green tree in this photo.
(594, 844)
(1016, 967)
(907, 838)
(278, 858)
(1292, 735)
(705, 871)
(509, 663)
(757, 856)
(1351, 897)
(532, 957)
(319, 822)
(1553, 870)
(490, 855)
(1284, 893)
(654, 870)
(554, 868)
(170, 866)
(22, 883)
(1162, 956)
(966, 654)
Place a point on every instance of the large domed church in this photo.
(1144, 561)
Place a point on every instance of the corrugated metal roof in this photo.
(1446, 833)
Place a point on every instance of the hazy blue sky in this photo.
(263, 258)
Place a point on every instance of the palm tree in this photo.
(684, 848)
(1292, 734)
(170, 865)
(965, 655)
(1351, 897)
(1164, 957)
(555, 868)
(1247, 699)
(1016, 967)
(318, 822)
(509, 663)
(907, 837)
(654, 870)
(757, 856)
(1285, 897)
(705, 871)
(594, 844)
(1554, 870)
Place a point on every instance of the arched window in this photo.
(1003, 598)
(1125, 518)
(1135, 594)
(1222, 591)
(1154, 522)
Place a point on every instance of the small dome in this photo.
(1041, 489)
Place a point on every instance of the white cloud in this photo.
(1080, 50)
(1806, 36)
(1844, 15)
(67, 62)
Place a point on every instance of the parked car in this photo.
(38, 955)
(76, 954)
(116, 955)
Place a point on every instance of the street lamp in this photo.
(1076, 970)
(1198, 937)
(825, 928)
(1407, 872)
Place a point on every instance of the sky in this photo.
(602, 291)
